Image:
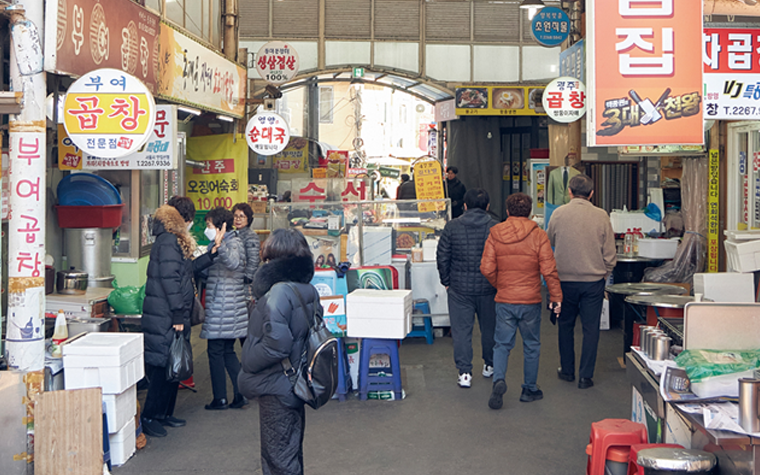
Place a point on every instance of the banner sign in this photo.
(428, 183)
(267, 133)
(499, 100)
(277, 63)
(572, 61)
(193, 74)
(84, 35)
(713, 212)
(294, 158)
(317, 190)
(109, 113)
(731, 73)
(550, 26)
(565, 99)
(645, 79)
(224, 179)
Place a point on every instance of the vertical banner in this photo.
(713, 211)
(428, 183)
(645, 72)
(224, 179)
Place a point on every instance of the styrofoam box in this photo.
(122, 443)
(379, 313)
(102, 349)
(621, 221)
(725, 286)
(111, 379)
(658, 248)
(120, 408)
(724, 385)
(743, 256)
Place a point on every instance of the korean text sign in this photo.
(428, 183)
(224, 179)
(565, 99)
(550, 26)
(645, 75)
(267, 133)
(713, 212)
(277, 62)
(294, 158)
(109, 113)
(731, 73)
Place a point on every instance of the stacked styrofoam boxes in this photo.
(379, 313)
(725, 286)
(742, 250)
(114, 363)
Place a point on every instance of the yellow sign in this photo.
(428, 183)
(294, 158)
(713, 211)
(107, 113)
(69, 155)
(224, 180)
(499, 100)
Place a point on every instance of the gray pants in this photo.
(462, 310)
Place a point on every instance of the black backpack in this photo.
(315, 378)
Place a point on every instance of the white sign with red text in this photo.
(267, 133)
(564, 99)
(277, 62)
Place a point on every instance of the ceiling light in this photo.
(532, 4)
(225, 118)
(189, 110)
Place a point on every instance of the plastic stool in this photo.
(616, 459)
(367, 382)
(426, 330)
(344, 377)
(633, 467)
(609, 433)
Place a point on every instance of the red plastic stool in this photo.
(619, 454)
(633, 467)
(610, 433)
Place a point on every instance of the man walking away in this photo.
(456, 191)
(516, 255)
(459, 251)
(584, 246)
(406, 189)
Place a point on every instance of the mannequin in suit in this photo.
(556, 189)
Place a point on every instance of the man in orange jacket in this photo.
(516, 255)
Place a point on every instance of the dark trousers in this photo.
(282, 429)
(221, 356)
(462, 310)
(584, 299)
(162, 395)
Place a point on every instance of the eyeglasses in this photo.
(239, 216)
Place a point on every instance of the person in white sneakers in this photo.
(458, 256)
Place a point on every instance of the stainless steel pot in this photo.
(71, 282)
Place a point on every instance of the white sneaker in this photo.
(487, 371)
(464, 380)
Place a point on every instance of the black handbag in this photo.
(315, 378)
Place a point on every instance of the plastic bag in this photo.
(702, 364)
(180, 364)
(127, 300)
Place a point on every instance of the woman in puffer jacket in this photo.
(226, 309)
(243, 218)
(277, 330)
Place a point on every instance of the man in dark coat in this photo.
(456, 191)
(406, 189)
(459, 251)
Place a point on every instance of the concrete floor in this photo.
(439, 429)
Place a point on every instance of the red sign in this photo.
(212, 167)
(731, 50)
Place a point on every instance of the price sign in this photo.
(565, 99)
(267, 133)
(109, 113)
(277, 62)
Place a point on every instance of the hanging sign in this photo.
(713, 211)
(572, 61)
(731, 73)
(550, 26)
(565, 99)
(498, 100)
(428, 183)
(645, 76)
(224, 178)
(109, 113)
(267, 133)
(294, 158)
(277, 62)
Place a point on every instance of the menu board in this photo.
(499, 100)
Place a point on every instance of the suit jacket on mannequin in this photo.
(556, 191)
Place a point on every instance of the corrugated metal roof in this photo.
(347, 18)
(397, 19)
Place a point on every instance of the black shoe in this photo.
(172, 421)
(217, 405)
(496, 400)
(238, 402)
(565, 376)
(585, 383)
(530, 396)
(153, 428)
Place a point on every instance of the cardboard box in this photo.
(379, 313)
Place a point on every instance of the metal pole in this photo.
(26, 175)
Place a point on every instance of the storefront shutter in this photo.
(347, 18)
(497, 22)
(397, 19)
(296, 19)
(447, 20)
(254, 17)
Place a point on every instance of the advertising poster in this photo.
(645, 79)
(491, 100)
(731, 73)
(223, 182)
(428, 183)
(337, 162)
(294, 158)
(713, 212)
(69, 155)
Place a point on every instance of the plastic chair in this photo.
(423, 331)
(369, 382)
(610, 433)
(344, 376)
(633, 467)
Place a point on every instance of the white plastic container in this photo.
(379, 313)
(743, 256)
(725, 286)
(429, 248)
(658, 248)
(716, 386)
(111, 361)
(122, 443)
(120, 408)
